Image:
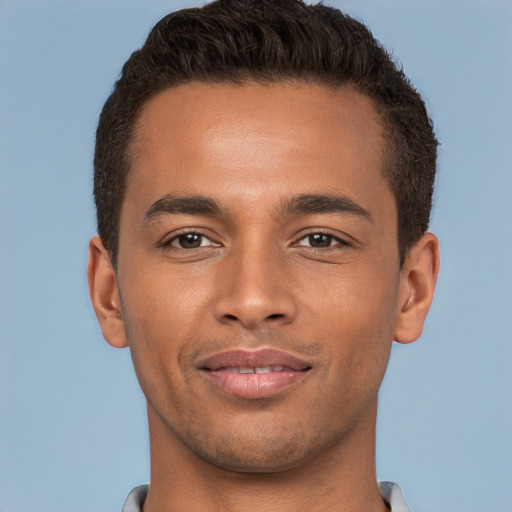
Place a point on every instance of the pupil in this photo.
(190, 241)
(319, 240)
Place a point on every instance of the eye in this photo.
(190, 241)
(320, 241)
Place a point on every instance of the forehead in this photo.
(255, 139)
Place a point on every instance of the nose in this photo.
(254, 290)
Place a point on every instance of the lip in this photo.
(286, 371)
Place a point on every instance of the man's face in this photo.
(258, 269)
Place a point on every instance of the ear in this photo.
(104, 294)
(417, 283)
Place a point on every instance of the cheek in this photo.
(358, 324)
(160, 307)
(359, 297)
(159, 321)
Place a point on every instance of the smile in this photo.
(254, 375)
(259, 369)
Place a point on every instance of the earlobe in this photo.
(417, 284)
(104, 293)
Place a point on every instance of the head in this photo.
(236, 42)
(263, 181)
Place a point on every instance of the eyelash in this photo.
(326, 233)
(167, 244)
(335, 240)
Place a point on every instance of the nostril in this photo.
(274, 316)
(231, 317)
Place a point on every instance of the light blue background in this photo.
(72, 426)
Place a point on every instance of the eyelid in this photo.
(169, 238)
(342, 240)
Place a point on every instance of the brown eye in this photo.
(320, 240)
(189, 241)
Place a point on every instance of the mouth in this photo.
(254, 374)
(259, 369)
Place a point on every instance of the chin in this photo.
(256, 453)
(250, 462)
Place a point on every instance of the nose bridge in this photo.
(254, 289)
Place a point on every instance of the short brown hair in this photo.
(236, 41)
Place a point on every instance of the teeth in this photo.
(259, 369)
(263, 369)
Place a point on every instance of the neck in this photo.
(341, 478)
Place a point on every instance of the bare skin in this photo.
(257, 228)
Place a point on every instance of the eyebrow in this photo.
(312, 204)
(306, 204)
(188, 205)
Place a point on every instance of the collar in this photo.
(390, 491)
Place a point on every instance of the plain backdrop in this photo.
(73, 433)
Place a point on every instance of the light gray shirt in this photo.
(390, 492)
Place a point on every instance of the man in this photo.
(263, 183)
